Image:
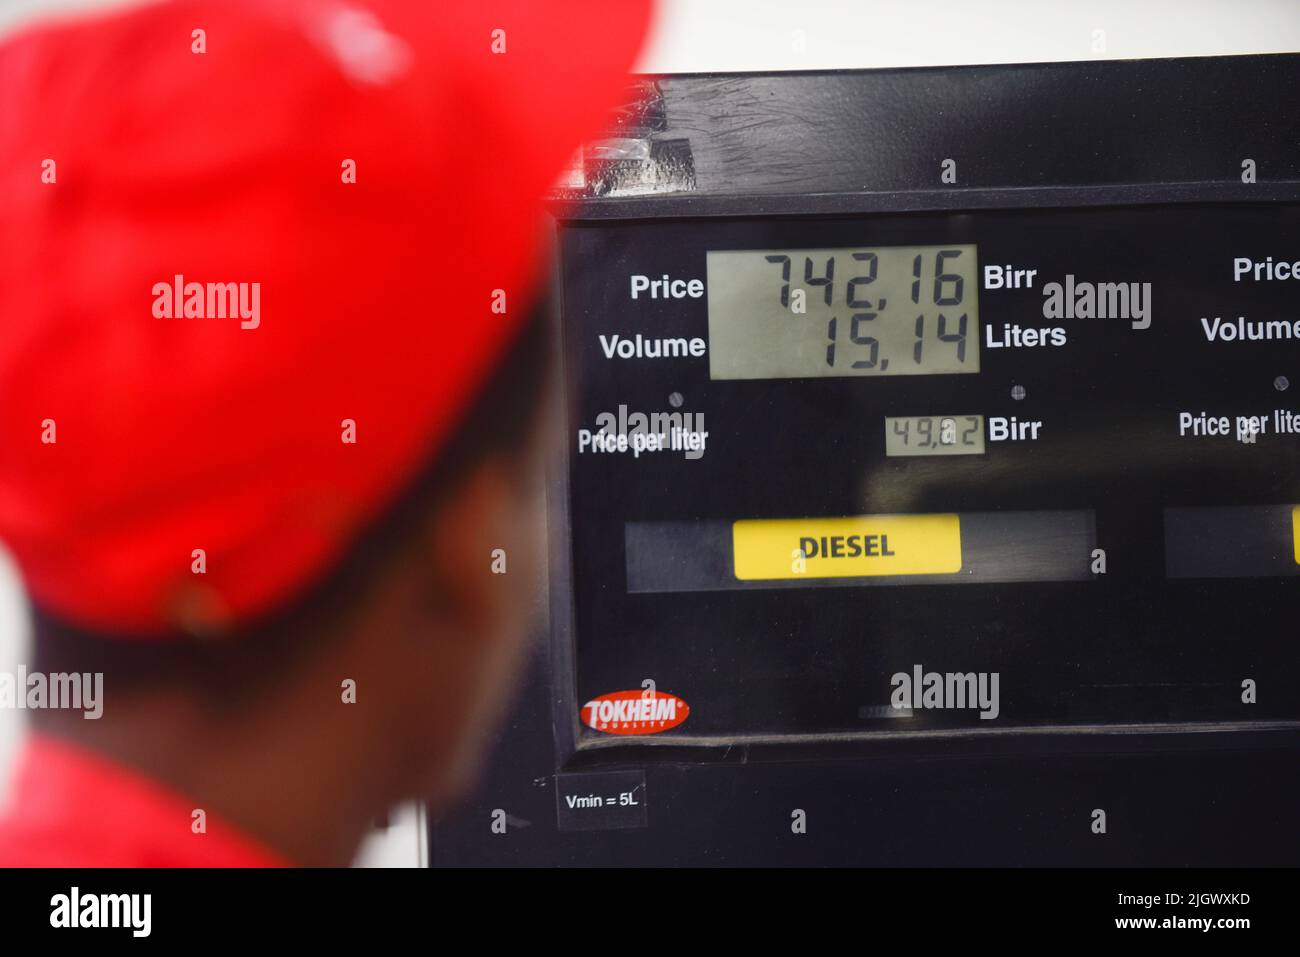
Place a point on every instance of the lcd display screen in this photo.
(802, 313)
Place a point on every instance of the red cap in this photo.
(215, 141)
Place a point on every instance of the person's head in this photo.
(266, 411)
(408, 646)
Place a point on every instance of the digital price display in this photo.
(934, 435)
(802, 313)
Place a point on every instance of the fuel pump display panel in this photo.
(943, 604)
(814, 461)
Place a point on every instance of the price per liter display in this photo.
(934, 435)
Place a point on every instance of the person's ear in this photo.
(467, 539)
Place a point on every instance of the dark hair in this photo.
(500, 423)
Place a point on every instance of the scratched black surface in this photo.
(1017, 126)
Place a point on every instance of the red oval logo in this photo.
(635, 712)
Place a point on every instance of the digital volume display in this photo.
(889, 310)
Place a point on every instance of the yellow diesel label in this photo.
(1295, 532)
(847, 547)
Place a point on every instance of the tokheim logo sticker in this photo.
(635, 712)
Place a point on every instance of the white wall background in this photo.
(15, 638)
(698, 36)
